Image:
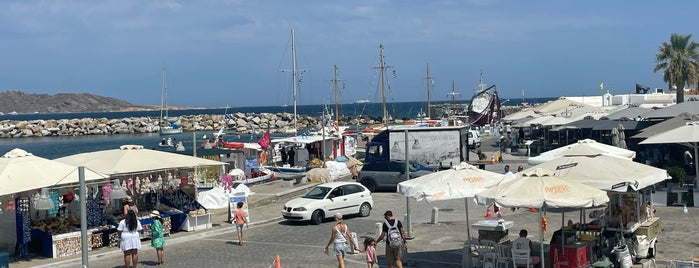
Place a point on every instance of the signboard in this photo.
(233, 206)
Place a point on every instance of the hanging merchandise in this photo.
(105, 193)
(23, 226)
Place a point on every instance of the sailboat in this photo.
(485, 105)
(166, 128)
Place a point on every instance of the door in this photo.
(337, 201)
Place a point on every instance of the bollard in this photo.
(435, 215)
(379, 228)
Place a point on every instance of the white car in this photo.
(325, 200)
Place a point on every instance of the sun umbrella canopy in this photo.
(588, 143)
(22, 171)
(605, 172)
(134, 159)
(540, 188)
(460, 181)
(687, 135)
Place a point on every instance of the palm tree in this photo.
(680, 59)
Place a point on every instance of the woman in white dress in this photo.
(130, 239)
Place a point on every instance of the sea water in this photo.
(60, 146)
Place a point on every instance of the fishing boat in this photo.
(166, 127)
(360, 101)
(484, 107)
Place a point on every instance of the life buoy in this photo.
(263, 157)
(335, 126)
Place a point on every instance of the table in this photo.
(196, 222)
(492, 230)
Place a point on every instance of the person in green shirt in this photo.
(157, 237)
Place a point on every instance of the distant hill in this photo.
(21, 102)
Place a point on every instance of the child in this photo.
(157, 240)
(370, 249)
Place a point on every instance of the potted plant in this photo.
(522, 149)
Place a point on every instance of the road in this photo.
(300, 244)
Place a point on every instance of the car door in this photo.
(397, 171)
(354, 194)
(337, 201)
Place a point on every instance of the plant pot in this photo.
(522, 151)
(508, 150)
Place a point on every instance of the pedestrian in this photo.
(370, 250)
(128, 204)
(339, 236)
(392, 229)
(522, 245)
(129, 229)
(157, 239)
(507, 170)
(520, 169)
(240, 220)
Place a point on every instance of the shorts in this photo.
(393, 254)
(239, 228)
(340, 249)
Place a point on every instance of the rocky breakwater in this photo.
(240, 122)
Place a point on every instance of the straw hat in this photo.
(155, 214)
(128, 199)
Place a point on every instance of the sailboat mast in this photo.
(164, 97)
(337, 110)
(428, 81)
(383, 68)
(293, 72)
(453, 99)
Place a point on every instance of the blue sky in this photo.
(230, 53)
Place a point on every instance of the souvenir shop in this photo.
(47, 220)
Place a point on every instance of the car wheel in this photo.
(369, 184)
(364, 210)
(317, 217)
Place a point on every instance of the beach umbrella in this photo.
(586, 143)
(130, 159)
(460, 181)
(687, 135)
(541, 188)
(22, 171)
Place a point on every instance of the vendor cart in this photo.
(631, 218)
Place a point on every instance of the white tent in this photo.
(605, 172)
(539, 188)
(130, 159)
(596, 146)
(22, 171)
(460, 181)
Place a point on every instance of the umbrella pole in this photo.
(541, 228)
(468, 236)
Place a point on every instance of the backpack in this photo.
(394, 239)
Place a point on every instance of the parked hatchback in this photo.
(386, 174)
(325, 200)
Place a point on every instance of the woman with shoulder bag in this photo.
(339, 236)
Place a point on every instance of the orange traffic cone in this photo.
(492, 159)
(277, 263)
(532, 209)
(487, 213)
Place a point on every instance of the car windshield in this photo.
(318, 192)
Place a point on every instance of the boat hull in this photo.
(170, 131)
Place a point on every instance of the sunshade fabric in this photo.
(460, 181)
(592, 144)
(134, 159)
(22, 171)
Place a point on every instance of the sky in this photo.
(222, 53)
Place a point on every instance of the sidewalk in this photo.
(263, 206)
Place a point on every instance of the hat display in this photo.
(155, 213)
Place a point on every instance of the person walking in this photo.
(240, 220)
(130, 239)
(392, 229)
(157, 239)
(339, 235)
(370, 250)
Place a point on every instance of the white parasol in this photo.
(586, 143)
(687, 135)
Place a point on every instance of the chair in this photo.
(520, 258)
(486, 252)
(503, 256)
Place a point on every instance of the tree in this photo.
(680, 61)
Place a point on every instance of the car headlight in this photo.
(300, 209)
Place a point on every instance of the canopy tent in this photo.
(539, 188)
(129, 159)
(687, 135)
(460, 181)
(666, 125)
(593, 146)
(22, 171)
(604, 172)
(690, 107)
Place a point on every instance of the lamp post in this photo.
(83, 215)
(396, 149)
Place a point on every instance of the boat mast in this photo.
(337, 110)
(428, 81)
(383, 68)
(163, 101)
(293, 73)
(453, 98)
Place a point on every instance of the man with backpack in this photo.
(395, 239)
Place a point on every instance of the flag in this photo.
(264, 141)
(601, 85)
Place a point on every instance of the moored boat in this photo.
(485, 105)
